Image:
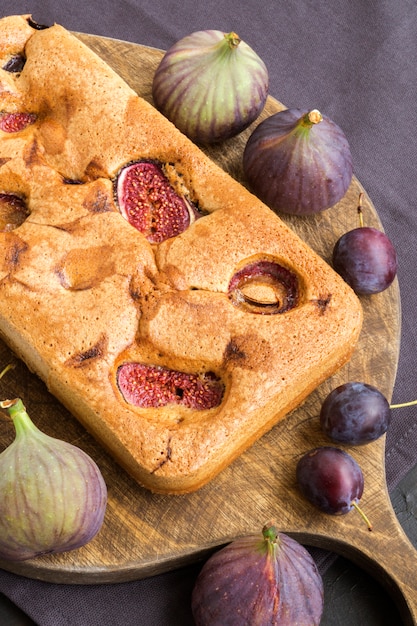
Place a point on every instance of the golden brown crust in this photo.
(81, 291)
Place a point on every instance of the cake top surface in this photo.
(175, 314)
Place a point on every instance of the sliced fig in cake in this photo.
(15, 122)
(35, 25)
(153, 386)
(148, 201)
(13, 211)
(265, 287)
(15, 64)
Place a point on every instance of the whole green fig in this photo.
(211, 85)
(53, 496)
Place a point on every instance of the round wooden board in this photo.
(145, 534)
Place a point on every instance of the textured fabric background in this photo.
(357, 62)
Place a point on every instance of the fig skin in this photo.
(211, 85)
(259, 580)
(53, 496)
(298, 162)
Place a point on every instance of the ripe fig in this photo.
(262, 580)
(298, 162)
(211, 85)
(52, 494)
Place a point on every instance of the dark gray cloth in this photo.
(357, 62)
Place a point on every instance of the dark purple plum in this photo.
(366, 259)
(355, 413)
(331, 480)
(298, 162)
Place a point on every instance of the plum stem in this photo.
(8, 367)
(360, 212)
(403, 404)
(362, 514)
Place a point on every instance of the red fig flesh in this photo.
(15, 122)
(149, 202)
(154, 386)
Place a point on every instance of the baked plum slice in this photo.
(13, 211)
(153, 386)
(148, 202)
(264, 287)
(16, 121)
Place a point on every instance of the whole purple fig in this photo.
(266, 579)
(298, 162)
(52, 494)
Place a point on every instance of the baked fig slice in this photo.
(15, 64)
(15, 122)
(13, 211)
(262, 580)
(149, 202)
(35, 25)
(264, 287)
(152, 386)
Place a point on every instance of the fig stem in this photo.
(232, 39)
(312, 117)
(11, 404)
(270, 532)
(17, 411)
(362, 514)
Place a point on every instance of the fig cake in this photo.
(174, 314)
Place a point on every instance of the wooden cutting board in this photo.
(145, 534)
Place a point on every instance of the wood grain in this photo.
(145, 534)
